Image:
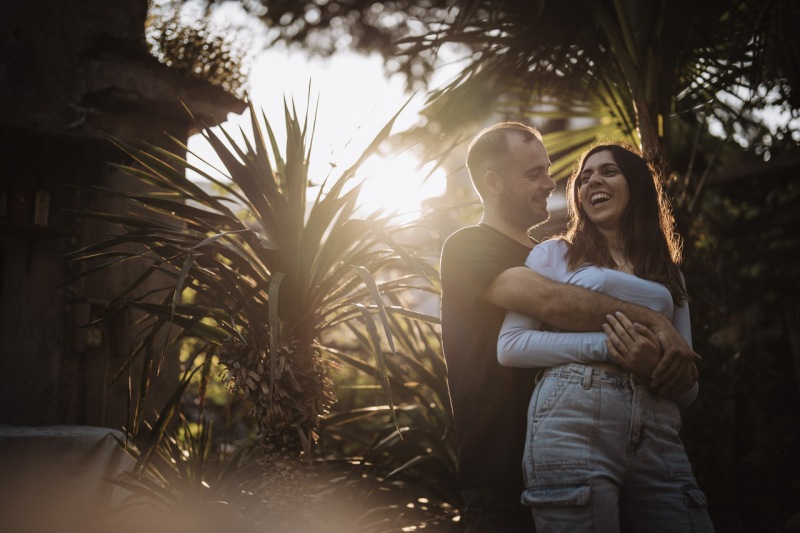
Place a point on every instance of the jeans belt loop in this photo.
(587, 377)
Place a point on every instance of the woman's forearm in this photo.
(523, 344)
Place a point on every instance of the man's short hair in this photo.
(490, 144)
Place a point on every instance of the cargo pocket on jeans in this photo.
(562, 495)
(696, 504)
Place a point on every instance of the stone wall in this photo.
(72, 73)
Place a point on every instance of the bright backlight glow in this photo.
(355, 101)
(397, 184)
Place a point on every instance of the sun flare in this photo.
(397, 184)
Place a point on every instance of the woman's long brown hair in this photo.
(647, 233)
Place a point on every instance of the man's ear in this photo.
(492, 182)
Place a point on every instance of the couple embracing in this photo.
(569, 360)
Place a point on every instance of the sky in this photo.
(355, 101)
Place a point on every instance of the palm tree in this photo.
(636, 70)
(258, 277)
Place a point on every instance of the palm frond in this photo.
(259, 276)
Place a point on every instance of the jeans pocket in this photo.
(545, 396)
(561, 436)
(557, 495)
(562, 505)
(697, 504)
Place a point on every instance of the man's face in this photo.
(526, 183)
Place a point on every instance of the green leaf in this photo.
(274, 328)
(165, 416)
(375, 343)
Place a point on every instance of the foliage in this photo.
(257, 281)
(196, 480)
(630, 69)
(421, 447)
(401, 477)
(743, 431)
(199, 49)
(190, 473)
(363, 25)
(367, 475)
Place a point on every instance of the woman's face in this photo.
(603, 190)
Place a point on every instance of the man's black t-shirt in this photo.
(490, 402)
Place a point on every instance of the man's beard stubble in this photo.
(521, 218)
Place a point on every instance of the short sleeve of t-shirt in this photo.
(474, 256)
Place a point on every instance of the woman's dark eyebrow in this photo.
(601, 167)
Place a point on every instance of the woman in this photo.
(603, 451)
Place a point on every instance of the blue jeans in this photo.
(603, 454)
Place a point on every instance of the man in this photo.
(483, 275)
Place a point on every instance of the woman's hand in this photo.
(677, 370)
(632, 346)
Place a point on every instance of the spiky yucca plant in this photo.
(407, 472)
(256, 276)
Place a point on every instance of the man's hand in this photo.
(677, 370)
(636, 349)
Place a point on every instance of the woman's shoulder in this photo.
(547, 257)
(554, 246)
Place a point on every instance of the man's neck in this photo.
(518, 234)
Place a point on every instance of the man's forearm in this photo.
(564, 306)
(573, 308)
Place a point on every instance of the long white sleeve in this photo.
(523, 343)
